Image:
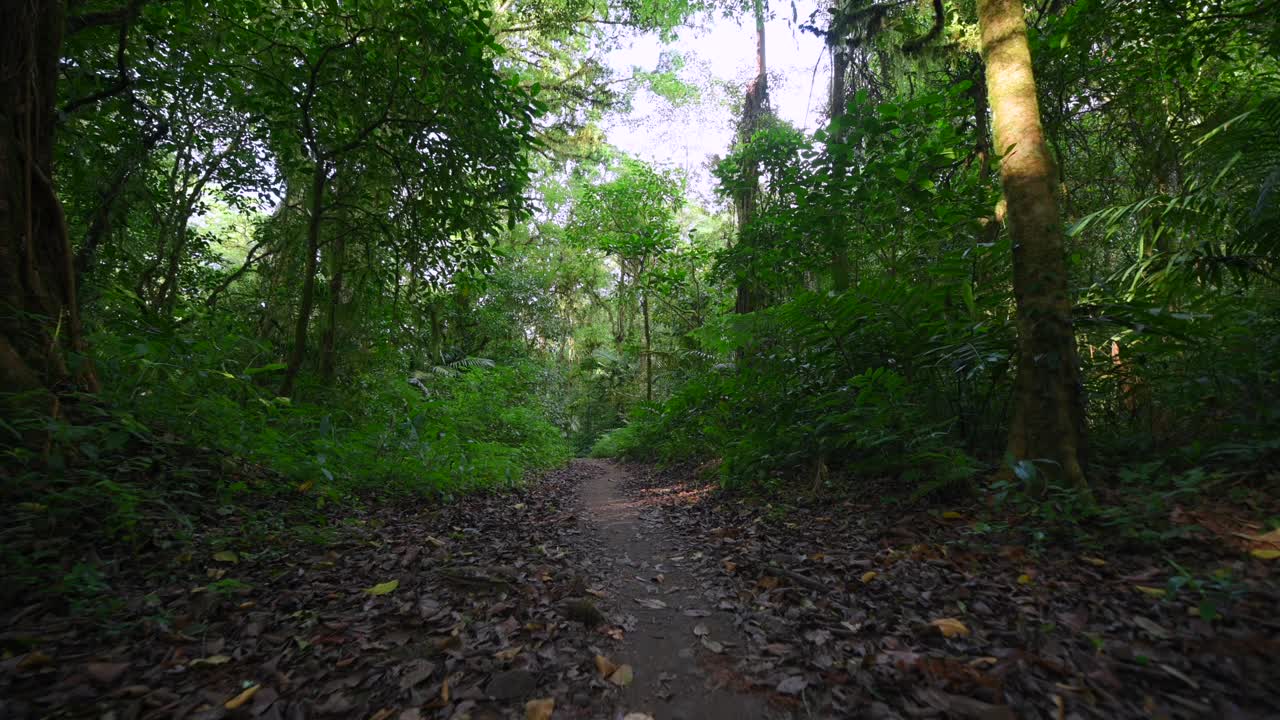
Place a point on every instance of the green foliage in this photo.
(467, 425)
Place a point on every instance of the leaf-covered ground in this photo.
(604, 590)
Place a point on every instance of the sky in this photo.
(720, 49)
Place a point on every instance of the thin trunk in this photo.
(981, 120)
(39, 319)
(319, 181)
(167, 295)
(329, 343)
(1048, 418)
(754, 106)
(337, 269)
(648, 343)
(840, 265)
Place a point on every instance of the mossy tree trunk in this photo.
(1048, 425)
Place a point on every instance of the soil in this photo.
(677, 677)
(617, 591)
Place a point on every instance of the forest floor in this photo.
(603, 590)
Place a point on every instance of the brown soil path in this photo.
(671, 644)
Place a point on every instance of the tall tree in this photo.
(755, 105)
(39, 320)
(1048, 425)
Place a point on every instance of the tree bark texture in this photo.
(1048, 424)
(319, 181)
(39, 318)
(754, 106)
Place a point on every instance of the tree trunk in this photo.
(840, 265)
(319, 181)
(39, 319)
(648, 348)
(1048, 419)
(329, 343)
(753, 107)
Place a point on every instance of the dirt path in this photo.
(723, 607)
(672, 643)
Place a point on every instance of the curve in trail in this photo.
(677, 674)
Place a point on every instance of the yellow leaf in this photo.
(242, 698)
(34, 659)
(383, 588)
(1096, 562)
(1266, 554)
(1152, 591)
(623, 676)
(605, 666)
(211, 660)
(1272, 537)
(226, 556)
(509, 654)
(869, 576)
(1024, 579)
(950, 627)
(952, 515)
(303, 487)
(540, 709)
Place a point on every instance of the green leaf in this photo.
(383, 588)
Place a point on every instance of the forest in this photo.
(402, 359)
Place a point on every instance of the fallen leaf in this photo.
(768, 582)
(1024, 579)
(950, 627)
(651, 603)
(952, 515)
(1094, 561)
(1265, 554)
(211, 660)
(242, 698)
(637, 716)
(869, 576)
(1151, 627)
(1152, 591)
(539, 709)
(416, 674)
(623, 676)
(226, 556)
(1272, 537)
(509, 654)
(106, 673)
(792, 685)
(713, 645)
(701, 629)
(511, 684)
(383, 588)
(34, 659)
(605, 666)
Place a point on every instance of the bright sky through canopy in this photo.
(719, 50)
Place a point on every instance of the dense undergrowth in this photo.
(436, 284)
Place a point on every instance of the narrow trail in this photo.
(677, 677)
(721, 606)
